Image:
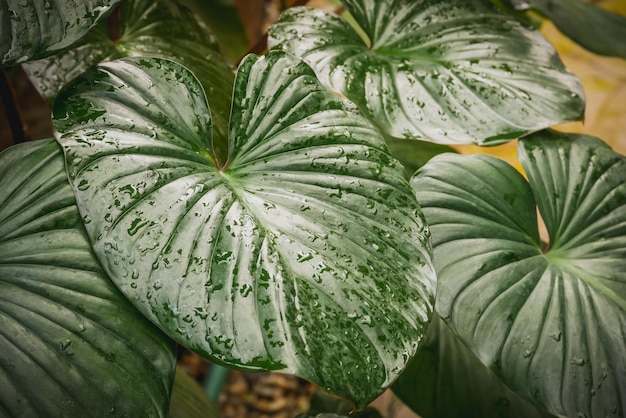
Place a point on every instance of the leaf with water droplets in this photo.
(306, 240)
(549, 319)
(31, 29)
(439, 70)
(149, 28)
(70, 343)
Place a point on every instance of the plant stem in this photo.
(114, 24)
(18, 130)
(214, 382)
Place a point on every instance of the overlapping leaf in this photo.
(189, 400)
(445, 71)
(550, 321)
(446, 380)
(305, 252)
(159, 28)
(70, 343)
(31, 29)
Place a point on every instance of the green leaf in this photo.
(223, 18)
(551, 322)
(590, 26)
(149, 28)
(70, 343)
(414, 154)
(189, 400)
(445, 71)
(31, 29)
(308, 240)
(446, 380)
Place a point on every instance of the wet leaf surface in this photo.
(149, 28)
(70, 343)
(549, 319)
(447, 72)
(31, 29)
(307, 240)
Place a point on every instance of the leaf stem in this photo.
(114, 25)
(215, 380)
(18, 129)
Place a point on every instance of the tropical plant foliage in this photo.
(264, 217)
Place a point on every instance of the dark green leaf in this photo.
(158, 28)
(596, 29)
(446, 380)
(551, 323)
(189, 400)
(414, 154)
(445, 71)
(31, 29)
(70, 343)
(223, 18)
(305, 252)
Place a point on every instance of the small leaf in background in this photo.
(70, 343)
(189, 399)
(162, 29)
(592, 27)
(443, 71)
(304, 252)
(548, 318)
(33, 29)
(446, 380)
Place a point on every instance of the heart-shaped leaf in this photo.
(446, 380)
(305, 252)
(551, 321)
(447, 71)
(590, 26)
(70, 343)
(158, 28)
(31, 29)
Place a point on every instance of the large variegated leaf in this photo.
(70, 343)
(159, 28)
(592, 27)
(549, 319)
(305, 251)
(446, 71)
(31, 29)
